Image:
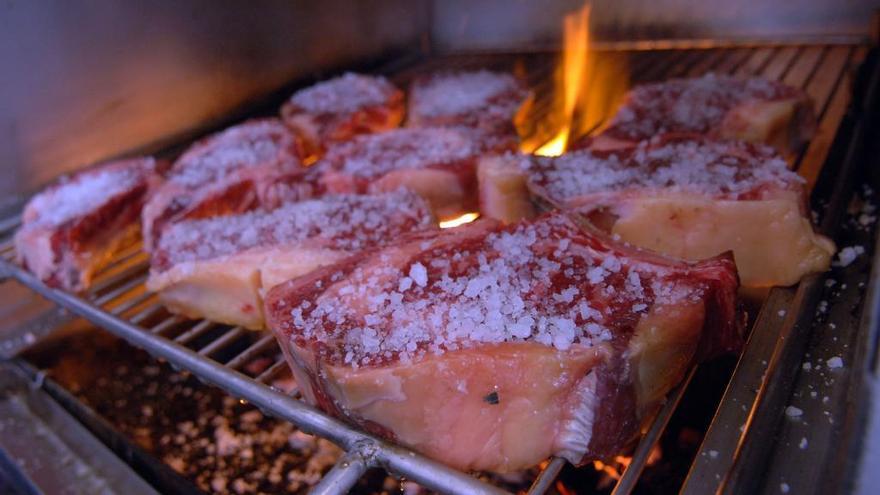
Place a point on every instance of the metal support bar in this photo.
(627, 482)
(545, 480)
(339, 480)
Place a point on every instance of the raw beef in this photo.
(491, 348)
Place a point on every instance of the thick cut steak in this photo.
(749, 109)
(687, 197)
(217, 268)
(491, 347)
(480, 100)
(437, 163)
(72, 227)
(337, 110)
(248, 166)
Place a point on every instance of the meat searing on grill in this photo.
(72, 227)
(336, 110)
(217, 268)
(687, 197)
(749, 109)
(437, 163)
(479, 100)
(490, 347)
(250, 165)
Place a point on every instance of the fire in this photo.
(588, 85)
(615, 469)
(455, 222)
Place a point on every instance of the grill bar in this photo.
(343, 476)
(548, 475)
(630, 477)
(822, 70)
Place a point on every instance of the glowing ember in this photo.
(455, 222)
(615, 469)
(588, 86)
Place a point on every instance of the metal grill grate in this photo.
(219, 353)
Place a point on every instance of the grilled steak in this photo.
(72, 227)
(248, 166)
(439, 164)
(749, 109)
(687, 197)
(490, 347)
(480, 100)
(217, 268)
(338, 109)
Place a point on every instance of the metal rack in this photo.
(219, 354)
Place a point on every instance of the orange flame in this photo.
(455, 222)
(615, 469)
(588, 85)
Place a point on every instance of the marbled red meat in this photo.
(336, 110)
(750, 109)
(437, 163)
(218, 268)
(688, 197)
(479, 100)
(251, 165)
(491, 347)
(70, 228)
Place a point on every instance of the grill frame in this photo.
(118, 291)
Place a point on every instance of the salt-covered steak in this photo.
(490, 347)
(750, 109)
(70, 228)
(250, 165)
(691, 198)
(218, 267)
(337, 110)
(437, 163)
(479, 100)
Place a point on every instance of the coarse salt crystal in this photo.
(834, 362)
(848, 254)
(419, 274)
(793, 411)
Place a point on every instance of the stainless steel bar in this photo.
(120, 290)
(103, 284)
(226, 339)
(266, 342)
(145, 313)
(428, 473)
(121, 258)
(7, 225)
(545, 480)
(134, 301)
(781, 62)
(627, 482)
(198, 329)
(272, 371)
(343, 476)
(166, 324)
(756, 61)
(811, 163)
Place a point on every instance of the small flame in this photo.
(616, 468)
(455, 222)
(576, 43)
(589, 84)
